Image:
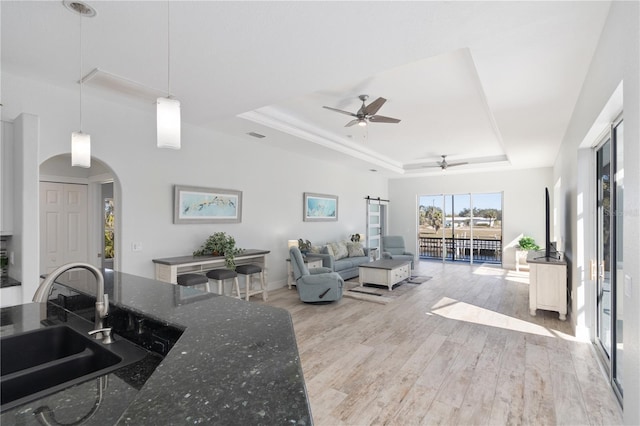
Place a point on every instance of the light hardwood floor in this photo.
(460, 349)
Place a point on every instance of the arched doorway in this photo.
(79, 218)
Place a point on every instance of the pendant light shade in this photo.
(168, 116)
(80, 149)
(80, 142)
(168, 109)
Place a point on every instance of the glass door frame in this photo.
(610, 358)
(472, 250)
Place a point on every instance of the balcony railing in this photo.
(462, 249)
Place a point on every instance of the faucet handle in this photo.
(107, 338)
(106, 304)
(102, 306)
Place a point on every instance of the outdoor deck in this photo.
(461, 249)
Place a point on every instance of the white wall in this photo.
(272, 180)
(523, 202)
(616, 60)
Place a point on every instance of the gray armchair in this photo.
(393, 248)
(316, 284)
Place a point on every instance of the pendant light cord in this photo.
(168, 49)
(80, 14)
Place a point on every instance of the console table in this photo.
(547, 284)
(168, 268)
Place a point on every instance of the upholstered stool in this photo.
(190, 280)
(220, 275)
(249, 271)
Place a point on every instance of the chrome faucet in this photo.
(102, 299)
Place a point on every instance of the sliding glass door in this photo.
(461, 227)
(609, 226)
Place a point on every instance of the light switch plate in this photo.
(627, 285)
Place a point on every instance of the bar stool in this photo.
(220, 275)
(249, 271)
(190, 280)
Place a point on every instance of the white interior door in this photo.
(376, 210)
(63, 224)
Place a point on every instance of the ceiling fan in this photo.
(366, 113)
(443, 164)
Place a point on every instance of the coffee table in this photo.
(384, 272)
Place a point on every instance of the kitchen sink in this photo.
(43, 361)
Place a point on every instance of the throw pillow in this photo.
(339, 250)
(316, 249)
(327, 250)
(355, 249)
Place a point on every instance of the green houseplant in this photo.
(528, 244)
(525, 245)
(220, 244)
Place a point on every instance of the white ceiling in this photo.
(490, 83)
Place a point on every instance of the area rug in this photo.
(381, 294)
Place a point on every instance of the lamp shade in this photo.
(168, 123)
(80, 149)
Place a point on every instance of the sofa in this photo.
(343, 257)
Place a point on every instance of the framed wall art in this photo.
(194, 204)
(320, 207)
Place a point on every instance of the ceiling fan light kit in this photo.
(444, 165)
(366, 113)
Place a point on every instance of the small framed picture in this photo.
(320, 207)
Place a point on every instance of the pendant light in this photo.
(168, 109)
(80, 142)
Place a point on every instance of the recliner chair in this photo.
(317, 284)
(393, 248)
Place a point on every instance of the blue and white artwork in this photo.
(195, 205)
(200, 204)
(320, 207)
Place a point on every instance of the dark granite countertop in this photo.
(8, 282)
(236, 362)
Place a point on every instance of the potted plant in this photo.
(304, 246)
(525, 245)
(220, 244)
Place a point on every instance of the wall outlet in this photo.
(136, 246)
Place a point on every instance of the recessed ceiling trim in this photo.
(324, 140)
(80, 7)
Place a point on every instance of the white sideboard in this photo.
(547, 284)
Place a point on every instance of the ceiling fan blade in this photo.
(340, 111)
(456, 164)
(374, 106)
(352, 122)
(383, 119)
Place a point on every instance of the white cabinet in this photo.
(6, 186)
(547, 284)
